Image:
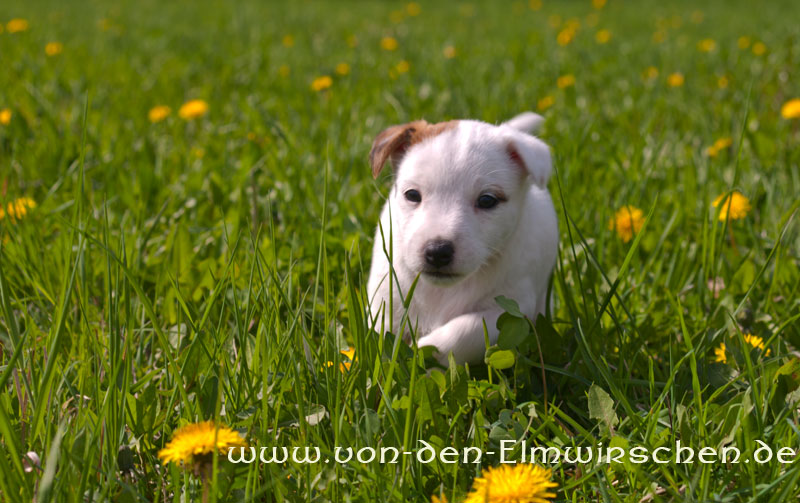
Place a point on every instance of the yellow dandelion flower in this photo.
(759, 48)
(351, 41)
(519, 483)
(284, 71)
(199, 439)
(697, 17)
(650, 73)
(719, 354)
(627, 222)
(573, 23)
(287, 41)
(436, 499)
(193, 109)
(723, 82)
(602, 36)
(351, 356)
(5, 116)
(789, 110)
(718, 146)
(413, 9)
(321, 83)
(402, 67)
(675, 79)
(723, 143)
(535, 4)
(17, 209)
(545, 103)
(598, 4)
(389, 44)
(735, 204)
(756, 342)
(17, 25)
(592, 19)
(565, 36)
(53, 48)
(659, 36)
(706, 45)
(565, 81)
(197, 152)
(449, 52)
(342, 69)
(743, 42)
(554, 20)
(158, 113)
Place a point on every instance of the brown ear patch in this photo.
(393, 142)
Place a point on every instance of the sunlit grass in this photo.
(201, 226)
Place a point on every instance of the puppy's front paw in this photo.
(438, 341)
(462, 336)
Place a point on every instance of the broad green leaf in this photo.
(502, 359)
(513, 331)
(509, 305)
(601, 406)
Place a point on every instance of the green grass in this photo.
(174, 272)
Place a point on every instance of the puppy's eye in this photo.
(487, 201)
(413, 195)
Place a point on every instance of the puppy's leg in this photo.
(463, 336)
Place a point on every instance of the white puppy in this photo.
(470, 214)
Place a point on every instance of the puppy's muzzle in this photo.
(439, 253)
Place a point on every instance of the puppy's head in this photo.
(460, 188)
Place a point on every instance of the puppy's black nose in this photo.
(439, 253)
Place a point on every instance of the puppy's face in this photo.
(459, 191)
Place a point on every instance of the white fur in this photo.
(508, 250)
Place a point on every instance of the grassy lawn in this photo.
(167, 266)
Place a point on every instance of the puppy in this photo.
(470, 215)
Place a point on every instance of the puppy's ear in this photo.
(393, 143)
(532, 155)
(527, 122)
